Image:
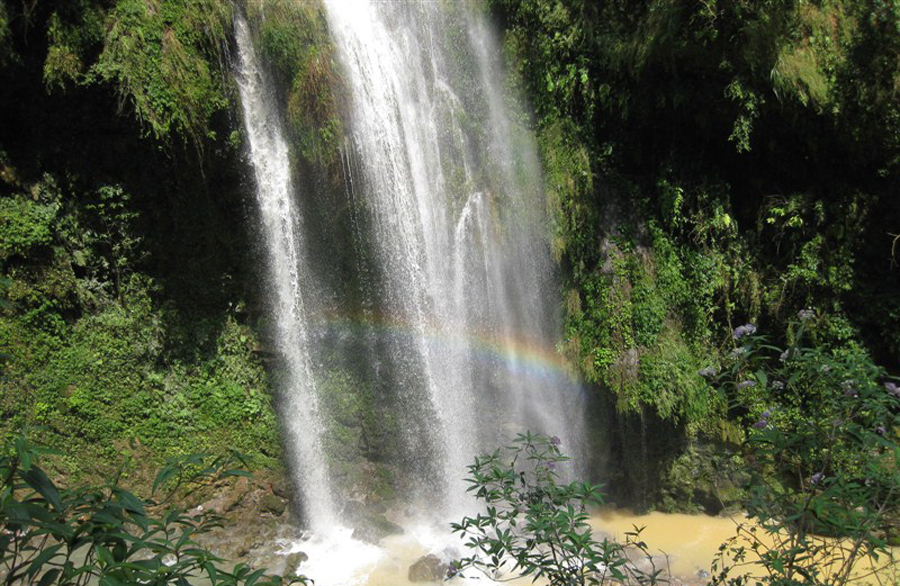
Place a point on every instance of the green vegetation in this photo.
(820, 498)
(294, 38)
(706, 165)
(106, 535)
(711, 164)
(822, 459)
(536, 526)
(164, 58)
(129, 323)
(86, 345)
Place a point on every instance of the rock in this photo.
(292, 561)
(270, 503)
(355, 511)
(374, 528)
(428, 568)
(280, 488)
(377, 507)
(233, 498)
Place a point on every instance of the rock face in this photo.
(428, 568)
(273, 504)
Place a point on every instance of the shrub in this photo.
(51, 535)
(824, 488)
(535, 525)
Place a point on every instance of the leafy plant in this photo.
(52, 535)
(824, 488)
(535, 525)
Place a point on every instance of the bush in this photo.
(823, 495)
(536, 526)
(50, 535)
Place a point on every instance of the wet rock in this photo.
(374, 528)
(233, 498)
(428, 568)
(355, 511)
(270, 503)
(280, 488)
(377, 507)
(292, 561)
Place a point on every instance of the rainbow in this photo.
(524, 356)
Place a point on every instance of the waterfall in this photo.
(426, 286)
(453, 201)
(288, 279)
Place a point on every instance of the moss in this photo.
(568, 184)
(6, 52)
(72, 34)
(702, 479)
(164, 58)
(640, 327)
(294, 37)
(99, 370)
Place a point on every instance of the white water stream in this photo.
(287, 273)
(454, 199)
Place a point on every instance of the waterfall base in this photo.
(337, 559)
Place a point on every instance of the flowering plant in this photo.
(823, 495)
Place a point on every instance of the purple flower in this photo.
(767, 413)
(744, 330)
(777, 385)
(761, 424)
(881, 430)
(785, 355)
(806, 314)
(815, 478)
(708, 371)
(551, 465)
(892, 389)
(555, 441)
(746, 384)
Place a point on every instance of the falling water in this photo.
(453, 198)
(287, 270)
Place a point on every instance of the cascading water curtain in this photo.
(287, 276)
(453, 199)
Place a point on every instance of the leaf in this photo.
(254, 577)
(42, 558)
(49, 577)
(131, 503)
(39, 481)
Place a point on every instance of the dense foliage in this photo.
(706, 164)
(73, 536)
(822, 457)
(129, 322)
(713, 163)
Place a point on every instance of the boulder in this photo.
(270, 503)
(374, 528)
(292, 561)
(428, 568)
